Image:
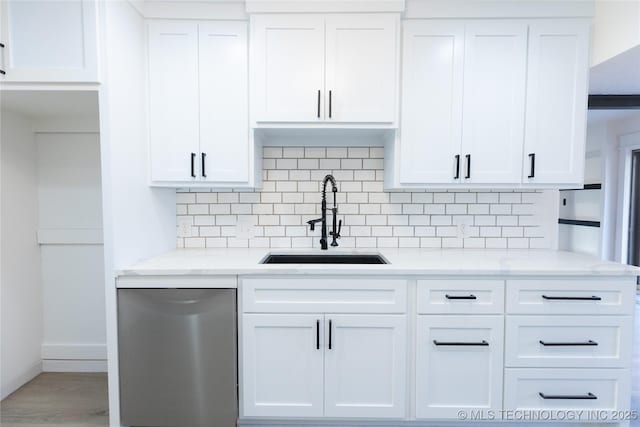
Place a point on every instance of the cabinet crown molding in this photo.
(323, 6)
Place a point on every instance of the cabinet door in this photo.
(282, 372)
(173, 101)
(224, 102)
(558, 67)
(431, 101)
(458, 365)
(493, 107)
(362, 68)
(50, 41)
(287, 66)
(365, 366)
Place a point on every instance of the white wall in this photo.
(20, 290)
(139, 221)
(70, 224)
(616, 28)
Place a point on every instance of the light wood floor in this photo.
(80, 400)
(58, 400)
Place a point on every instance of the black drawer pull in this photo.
(317, 335)
(447, 296)
(569, 344)
(532, 157)
(482, 343)
(3, 72)
(457, 176)
(193, 166)
(330, 103)
(588, 396)
(330, 328)
(318, 103)
(591, 298)
(204, 173)
(468, 175)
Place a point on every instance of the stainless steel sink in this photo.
(324, 259)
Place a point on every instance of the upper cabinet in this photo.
(324, 69)
(555, 131)
(489, 102)
(49, 41)
(198, 104)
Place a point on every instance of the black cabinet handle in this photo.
(204, 173)
(2, 72)
(591, 298)
(532, 157)
(2, 45)
(330, 330)
(330, 103)
(588, 396)
(468, 175)
(318, 103)
(447, 296)
(193, 166)
(569, 344)
(457, 176)
(482, 343)
(317, 334)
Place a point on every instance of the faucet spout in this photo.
(335, 233)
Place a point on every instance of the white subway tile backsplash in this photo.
(290, 196)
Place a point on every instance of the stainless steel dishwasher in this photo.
(178, 357)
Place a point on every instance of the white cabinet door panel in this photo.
(459, 365)
(361, 79)
(494, 99)
(433, 57)
(365, 368)
(287, 68)
(50, 41)
(558, 67)
(173, 100)
(282, 358)
(224, 101)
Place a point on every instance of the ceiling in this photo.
(50, 103)
(617, 76)
(603, 116)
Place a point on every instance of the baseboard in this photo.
(12, 385)
(74, 351)
(55, 365)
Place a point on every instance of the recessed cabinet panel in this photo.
(494, 101)
(173, 101)
(568, 341)
(282, 365)
(361, 74)
(459, 364)
(287, 68)
(431, 122)
(50, 41)
(557, 90)
(365, 366)
(224, 102)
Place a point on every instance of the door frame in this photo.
(627, 143)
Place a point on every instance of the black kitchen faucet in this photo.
(335, 233)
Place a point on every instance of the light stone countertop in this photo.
(514, 262)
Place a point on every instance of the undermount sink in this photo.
(324, 259)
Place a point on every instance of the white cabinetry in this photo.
(558, 68)
(483, 100)
(325, 362)
(198, 103)
(324, 68)
(49, 41)
(283, 365)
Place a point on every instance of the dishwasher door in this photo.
(178, 357)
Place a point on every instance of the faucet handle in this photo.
(336, 235)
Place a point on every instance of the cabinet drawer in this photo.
(567, 389)
(325, 295)
(579, 296)
(458, 365)
(461, 296)
(568, 341)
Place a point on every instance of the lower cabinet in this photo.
(324, 365)
(459, 365)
